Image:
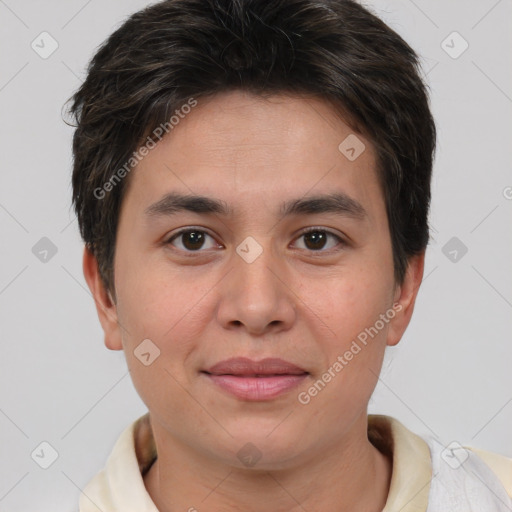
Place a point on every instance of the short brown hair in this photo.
(175, 50)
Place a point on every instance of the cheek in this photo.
(158, 304)
(352, 358)
(169, 315)
(347, 302)
(351, 305)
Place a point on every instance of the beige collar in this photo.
(412, 468)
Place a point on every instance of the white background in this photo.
(451, 374)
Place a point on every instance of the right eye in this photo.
(191, 240)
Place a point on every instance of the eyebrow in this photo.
(337, 203)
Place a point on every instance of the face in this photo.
(288, 255)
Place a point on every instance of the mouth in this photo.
(243, 366)
(255, 380)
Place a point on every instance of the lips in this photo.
(244, 367)
(250, 380)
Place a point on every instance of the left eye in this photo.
(317, 239)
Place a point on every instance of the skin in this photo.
(301, 304)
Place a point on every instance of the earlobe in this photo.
(105, 306)
(405, 298)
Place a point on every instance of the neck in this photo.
(352, 476)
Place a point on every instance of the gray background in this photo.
(450, 375)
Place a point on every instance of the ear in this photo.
(107, 310)
(405, 297)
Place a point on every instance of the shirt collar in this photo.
(122, 484)
(412, 466)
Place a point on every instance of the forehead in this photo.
(244, 148)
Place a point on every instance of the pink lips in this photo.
(256, 380)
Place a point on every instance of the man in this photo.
(252, 183)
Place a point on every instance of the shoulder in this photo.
(463, 478)
(500, 465)
(431, 476)
(119, 486)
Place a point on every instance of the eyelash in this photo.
(314, 229)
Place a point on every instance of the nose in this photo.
(256, 296)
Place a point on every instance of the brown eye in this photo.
(318, 240)
(192, 240)
(315, 240)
